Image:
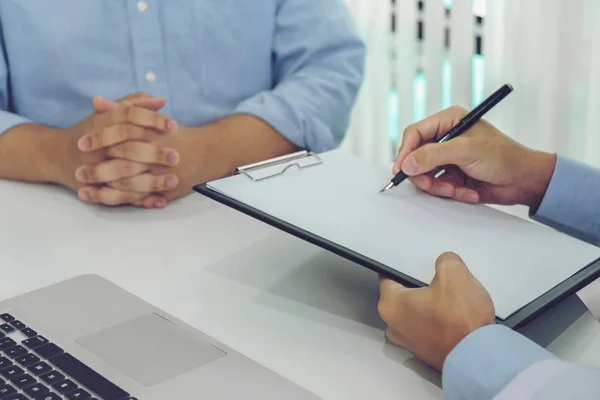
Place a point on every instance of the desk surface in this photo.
(305, 313)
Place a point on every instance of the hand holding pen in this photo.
(481, 165)
(466, 122)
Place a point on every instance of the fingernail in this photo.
(171, 125)
(173, 157)
(410, 166)
(84, 195)
(171, 182)
(80, 176)
(159, 203)
(84, 143)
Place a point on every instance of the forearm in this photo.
(238, 140)
(30, 152)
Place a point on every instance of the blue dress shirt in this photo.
(296, 64)
(491, 357)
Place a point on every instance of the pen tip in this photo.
(388, 187)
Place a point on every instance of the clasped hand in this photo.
(117, 147)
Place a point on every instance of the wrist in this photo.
(55, 156)
(537, 173)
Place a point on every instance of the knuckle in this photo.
(90, 174)
(138, 95)
(96, 138)
(386, 311)
(458, 110)
(115, 197)
(126, 183)
(131, 113)
(157, 184)
(94, 122)
(448, 261)
(391, 334)
(124, 167)
(94, 195)
(122, 132)
(160, 155)
(408, 130)
(422, 156)
(127, 150)
(136, 132)
(158, 120)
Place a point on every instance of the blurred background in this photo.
(425, 55)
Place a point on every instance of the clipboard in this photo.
(303, 161)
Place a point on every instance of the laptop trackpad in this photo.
(150, 349)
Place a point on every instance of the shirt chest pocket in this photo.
(235, 43)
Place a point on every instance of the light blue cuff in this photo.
(571, 203)
(9, 120)
(486, 361)
(306, 133)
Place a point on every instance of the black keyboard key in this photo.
(5, 363)
(2, 335)
(18, 325)
(48, 396)
(48, 350)
(88, 378)
(11, 372)
(23, 381)
(34, 342)
(6, 390)
(40, 368)
(29, 332)
(78, 394)
(27, 359)
(7, 317)
(7, 343)
(36, 390)
(65, 386)
(7, 328)
(52, 377)
(17, 396)
(16, 351)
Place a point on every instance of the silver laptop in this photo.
(87, 338)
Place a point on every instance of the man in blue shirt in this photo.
(231, 82)
(450, 324)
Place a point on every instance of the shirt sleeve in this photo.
(553, 380)
(572, 201)
(319, 67)
(486, 361)
(7, 119)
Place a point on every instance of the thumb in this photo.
(151, 103)
(448, 266)
(433, 155)
(102, 105)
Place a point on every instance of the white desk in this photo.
(300, 311)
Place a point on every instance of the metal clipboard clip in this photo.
(303, 159)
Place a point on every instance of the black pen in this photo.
(462, 126)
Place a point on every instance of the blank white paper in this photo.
(405, 229)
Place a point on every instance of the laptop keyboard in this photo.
(33, 368)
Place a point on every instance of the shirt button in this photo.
(142, 6)
(150, 76)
